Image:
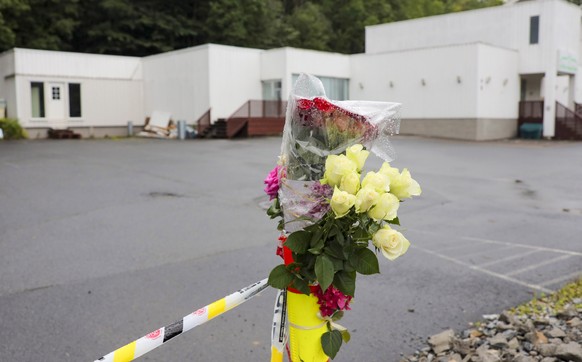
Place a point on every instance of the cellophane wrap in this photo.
(316, 127)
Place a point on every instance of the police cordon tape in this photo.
(280, 327)
(153, 340)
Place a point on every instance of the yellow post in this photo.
(305, 328)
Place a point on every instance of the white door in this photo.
(55, 97)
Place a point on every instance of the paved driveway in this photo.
(103, 241)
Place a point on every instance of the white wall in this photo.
(322, 64)
(562, 89)
(498, 83)
(177, 82)
(235, 77)
(442, 96)
(64, 64)
(504, 26)
(7, 84)
(282, 63)
(274, 66)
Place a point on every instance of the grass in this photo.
(554, 303)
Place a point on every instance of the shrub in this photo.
(12, 129)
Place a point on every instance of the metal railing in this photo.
(568, 123)
(260, 109)
(531, 112)
(203, 122)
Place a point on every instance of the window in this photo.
(74, 100)
(37, 99)
(534, 29)
(336, 89)
(56, 93)
(272, 90)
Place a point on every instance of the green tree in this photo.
(250, 23)
(132, 27)
(48, 24)
(10, 11)
(39, 24)
(311, 28)
(349, 19)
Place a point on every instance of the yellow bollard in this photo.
(305, 328)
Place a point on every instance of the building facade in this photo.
(459, 75)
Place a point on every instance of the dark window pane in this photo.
(37, 99)
(74, 100)
(534, 29)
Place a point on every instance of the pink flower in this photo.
(272, 181)
(332, 300)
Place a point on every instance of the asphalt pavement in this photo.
(103, 241)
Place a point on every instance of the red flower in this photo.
(323, 105)
(304, 104)
(282, 239)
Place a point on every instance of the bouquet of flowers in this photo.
(329, 213)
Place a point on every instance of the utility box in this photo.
(531, 130)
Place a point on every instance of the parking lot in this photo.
(103, 241)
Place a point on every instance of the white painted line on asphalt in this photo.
(541, 248)
(535, 266)
(468, 255)
(485, 271)
(509, 258)
(457, 246)
(563, 278)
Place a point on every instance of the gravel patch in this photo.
(548, 329)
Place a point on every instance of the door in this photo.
(55, 101)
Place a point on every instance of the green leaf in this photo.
(338, 264)
(331, 343)
(298, 241)
(346, 335)
(308, 273)
(280, 277)
(301, 285)
(317, 237)
(339, 314)
(345, 282)
(395, 221)
(365, 261)
(348, 250)
(364, 219)
(334, 230)
(317, 243)
(348, 266)
(340, 238)
(361, 235)
(314, 251)
(335, 250)
(373, 228)
(324, 271)
(275, 209)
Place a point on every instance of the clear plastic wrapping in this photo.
(316, 127)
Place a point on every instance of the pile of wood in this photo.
(59, 134)
(159, 125)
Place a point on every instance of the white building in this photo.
(459, 75)
(529, 50)
(47, 89)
